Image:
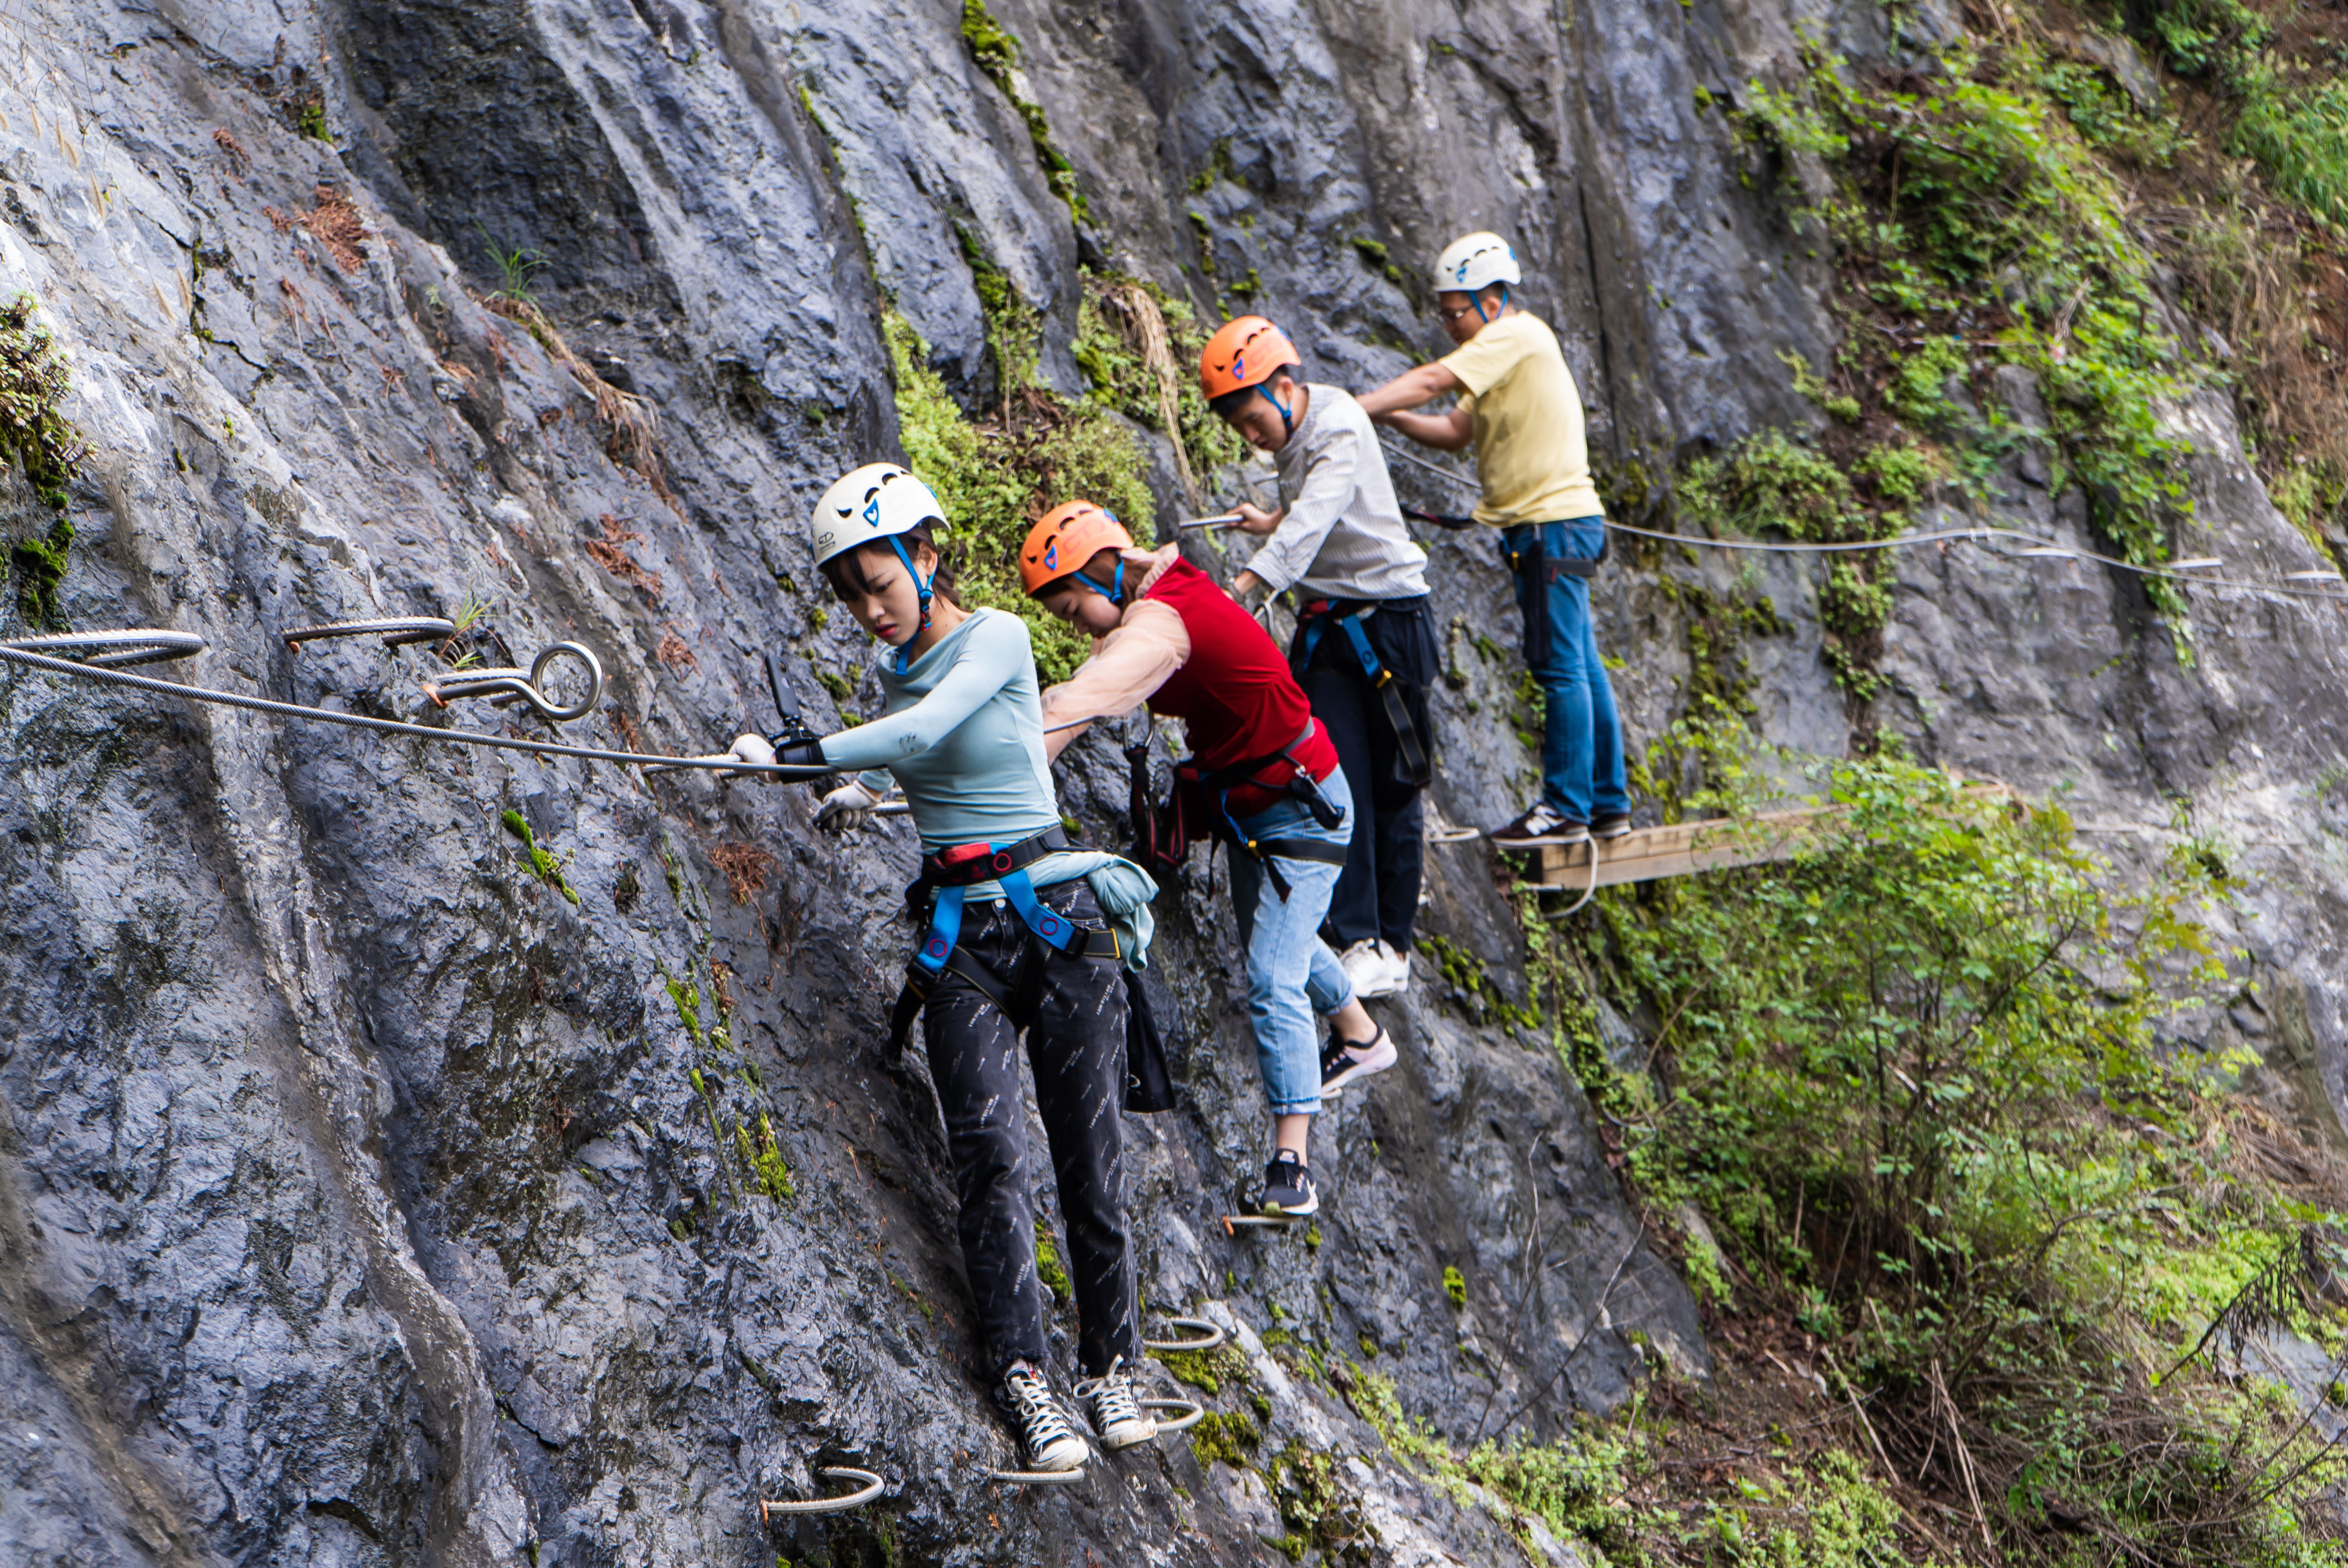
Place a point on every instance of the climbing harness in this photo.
(1212, 1336)
(1312, 618)
(25, 652)
(395, 632)
(2192, 570)
(503, 686)
(864, 1493)
(945, 875)
(1301, 786)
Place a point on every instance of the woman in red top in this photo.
(1271, 784)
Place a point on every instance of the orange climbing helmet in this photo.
(1068, 536)
(1245, 351)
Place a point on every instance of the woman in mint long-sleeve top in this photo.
(1015, 935)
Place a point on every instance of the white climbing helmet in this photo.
(873, 502)
(1475, 262)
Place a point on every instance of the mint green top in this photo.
(962, 735)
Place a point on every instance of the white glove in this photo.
(847, 808)
(751, 749)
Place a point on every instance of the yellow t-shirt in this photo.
(1530, 451)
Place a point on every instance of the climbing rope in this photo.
(864, 1493)
(2193, 572)
(25, 652)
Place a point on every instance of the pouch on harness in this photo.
(1163, 834)
(944, 879)
(1534, 558)
(1314, 619)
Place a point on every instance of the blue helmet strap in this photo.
(1479, 297)
(1115, 591)
(1286, 422)
(920, 586)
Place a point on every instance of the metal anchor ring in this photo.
(140, 645)
(395, 631)
(862, 1494)
(1214, 1336)
(507, 685)
(1192, 1414)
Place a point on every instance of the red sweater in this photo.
(1234, 692)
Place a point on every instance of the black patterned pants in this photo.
(1076, 1011)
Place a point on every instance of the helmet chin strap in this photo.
(1115, 591)
(1479, 298)
(1287, 423)
(920, 583)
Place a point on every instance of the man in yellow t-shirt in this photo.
(1518, 407)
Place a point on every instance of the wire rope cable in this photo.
(1977, 535)
(14, 654)
(1211, 1336)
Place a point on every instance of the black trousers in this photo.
(1076, 1011)
(1377, 893)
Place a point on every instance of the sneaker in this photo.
(1367, 966)
(1047, 1439)
(1609, 824)
(1540, 826)
(1116, 1415)
(1344, 1061)
(1288, 1188)
(1398, 962)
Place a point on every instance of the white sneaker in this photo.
(1398, 966)
(1116, 1413)
(1368, 966)
(1047, 1440)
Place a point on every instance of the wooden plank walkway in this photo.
(1682, 848)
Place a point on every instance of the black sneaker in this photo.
(1539, 827)
(1344, 1061)
(1288, 1188)
(1609, 824)
(1047, 1438)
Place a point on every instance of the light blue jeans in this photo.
(1292, 974)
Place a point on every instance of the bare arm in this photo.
(1450, 432)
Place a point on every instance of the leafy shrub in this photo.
(2301, 142)
(41, 444)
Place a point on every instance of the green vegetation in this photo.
(1228, 1436)
(997, 54)
(517, 268)
(1918, 1081)
(1048, 1266)
(998, 474)
(1123, 378)
(1207, 1371)
(1468, 978)
(40, 443)
(1455, 1284)
(542, 865)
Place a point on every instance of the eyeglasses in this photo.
(1451, 316)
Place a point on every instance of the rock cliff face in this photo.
(376, 1189)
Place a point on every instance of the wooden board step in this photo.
(1682, 848)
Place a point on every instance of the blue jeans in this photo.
(1292, 974)
(1582, 733)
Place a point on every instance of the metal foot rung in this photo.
(1192, 1414)
(113, 650)
(1231, 1223)
(507, 685)
(1214, 1336)
(862, 1494)
(1038, 1477)
(1455, 835)
(393, 631)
